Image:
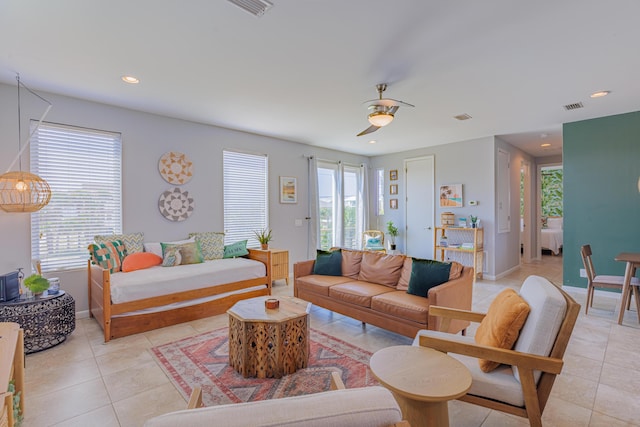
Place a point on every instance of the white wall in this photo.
(470, 163)
(145, 137)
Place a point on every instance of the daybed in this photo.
(126, 303)
(375, 288)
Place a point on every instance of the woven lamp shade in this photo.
(23, 192)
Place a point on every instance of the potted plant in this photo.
(474, 221)
(392, 230)
(264, 237)
(36, 284)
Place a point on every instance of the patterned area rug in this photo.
(204, 360)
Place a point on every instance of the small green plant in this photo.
(17, 412)
(392, 230)
(474, 221)
(36, 283)
(263, 236)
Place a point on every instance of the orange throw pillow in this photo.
(501, 326)
(140, 261)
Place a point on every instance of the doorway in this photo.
(420, 206)
(526, 216)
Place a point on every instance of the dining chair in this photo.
(605, 281)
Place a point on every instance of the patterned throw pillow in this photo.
(211, 243)
(189, 252)
(236, 249)
(133, 242)
(108, 255)
(172, 257)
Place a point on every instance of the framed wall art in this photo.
(393, 175)
(451, 196)
(393, 203)
(288, 189)
(393, 189)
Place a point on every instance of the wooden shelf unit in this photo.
(461, 235)
(11, 368)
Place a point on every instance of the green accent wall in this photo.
(601, 159)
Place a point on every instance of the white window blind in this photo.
(246, 196)
(83, 168)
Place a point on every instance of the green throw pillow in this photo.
(425, 274)
(190, 252)
(328, 263)
(236, 249)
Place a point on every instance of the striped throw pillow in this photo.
(108, 255)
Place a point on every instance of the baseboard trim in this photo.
(84, 314)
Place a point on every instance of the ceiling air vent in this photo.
(573, 106)
(464, 116)
(254, 7)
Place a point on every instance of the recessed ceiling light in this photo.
(130, 79)
(546, 144)
(600, 94)
(373, 141)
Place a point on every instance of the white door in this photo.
(420, 209)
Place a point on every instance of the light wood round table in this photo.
(422, 380)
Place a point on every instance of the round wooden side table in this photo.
(269, 343)
(422, 380)
(46, 320)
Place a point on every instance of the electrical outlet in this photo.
(583, 272)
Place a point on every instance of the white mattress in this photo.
(551, 238)
(157, 281)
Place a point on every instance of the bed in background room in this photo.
(551, 236)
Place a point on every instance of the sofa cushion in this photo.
(189, 252)
(501, 326)
(425, 274)
(156, 247)
(357, 292)
(235, 250)
(319, 284)
(498, 384)
(108, 255)
(351, 261)
(381, 268)
(133, 242)
(356, 407)
(547, 311)
(140, 261)
(402, 305)
(211, 243)
(405, 275)
(328, 263)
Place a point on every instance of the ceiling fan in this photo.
(381, 110)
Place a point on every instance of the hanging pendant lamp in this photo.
(22, 191)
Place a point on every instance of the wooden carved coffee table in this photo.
(422, 380)
(269, 343)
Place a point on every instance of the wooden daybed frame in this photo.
(103, 310)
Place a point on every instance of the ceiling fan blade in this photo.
(387, 102)
(370, 129)
(393, 110)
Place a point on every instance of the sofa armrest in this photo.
(303, 268)
(455, 293)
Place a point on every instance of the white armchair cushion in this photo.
(498, 384)
(548, 308)
(356, 407)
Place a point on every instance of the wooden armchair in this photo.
(367, 406)
(522, 383)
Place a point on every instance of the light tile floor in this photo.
(84, 382)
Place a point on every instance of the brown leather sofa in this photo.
(373, 289)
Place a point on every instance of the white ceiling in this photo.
(302, 71)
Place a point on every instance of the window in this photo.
(246, 196)
(380, 192)
(341, 205)
(83, 168)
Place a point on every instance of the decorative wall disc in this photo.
(175, 168)
(176, 205)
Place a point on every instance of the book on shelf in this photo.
(467, 246)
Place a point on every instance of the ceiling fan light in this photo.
(380, 118)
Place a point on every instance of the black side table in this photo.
(46, 320)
